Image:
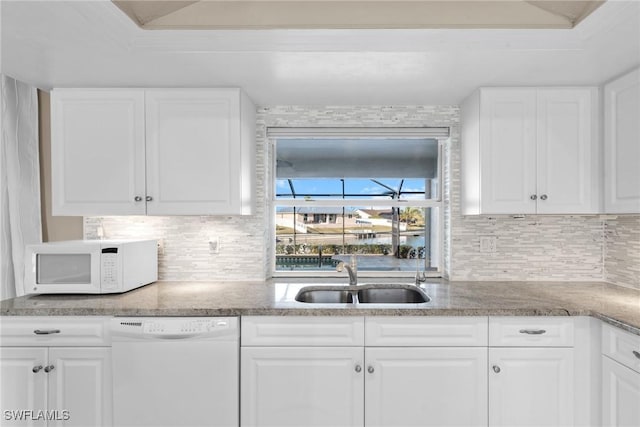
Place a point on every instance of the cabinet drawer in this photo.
(530, 332)
(426, 331)
(55, 331)
(302, 331)
(621, 346)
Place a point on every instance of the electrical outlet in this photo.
(160, 246)
(214, 245)
(488, 244)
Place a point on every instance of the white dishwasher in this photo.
(175, 371)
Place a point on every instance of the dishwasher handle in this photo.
(171, 336)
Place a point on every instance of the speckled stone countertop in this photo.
(613, 304)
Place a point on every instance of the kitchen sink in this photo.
(408, 294)
(324, 296)
(363, 294)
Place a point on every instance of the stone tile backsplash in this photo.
(622, 251)
(545, 248)
(186, 244)
(530, 248)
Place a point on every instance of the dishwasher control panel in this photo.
(183, 326)
(173, 327)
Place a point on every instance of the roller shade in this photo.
(358, 132)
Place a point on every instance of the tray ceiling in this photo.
(371, 14)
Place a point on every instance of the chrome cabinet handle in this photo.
(533, 197)
(137, 199)
(636, 354)
(46, 331)
(358, 368)
(370, 369)
(543, 197)
(148, 198)
(533, 331)
(49, 368)
(36, 369)
(496, 369)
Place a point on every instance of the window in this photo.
(376, 198)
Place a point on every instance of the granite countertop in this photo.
(613, 304)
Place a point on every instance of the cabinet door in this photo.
(620, 395)
(97, 145)
(22, 389)
(426, 387)
(622, 144)
(567, 177)
(508, 151)
(81, 384)
(530, 387)
(302, 386)
(193, 152)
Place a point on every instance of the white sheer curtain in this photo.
(20, 222)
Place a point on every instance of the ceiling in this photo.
(94, 43)
(350, 14)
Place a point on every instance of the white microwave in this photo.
(90, 266)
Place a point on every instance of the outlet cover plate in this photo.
(488, 244)
(214, 245)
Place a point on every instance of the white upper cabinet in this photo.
(194, 147)
(97, 144)
(154, 152)
(567, 178)
(622, 144)
(530, 151)
(508, 159)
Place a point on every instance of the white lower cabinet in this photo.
(49, 378)
(531, 371)
(620, 378)
(329, 375)
(302, 386)
(426, 387)
(23, 385)
(68, 386)
(81, 384)
(621, 395)
(531, 387)
(323, 386)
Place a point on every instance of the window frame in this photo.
(442, 135)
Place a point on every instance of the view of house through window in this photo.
(375, 198)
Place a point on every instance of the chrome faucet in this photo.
(351, 269)
(420, 277)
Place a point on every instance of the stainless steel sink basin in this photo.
(392, 295)
(363, 294)
(324, 296)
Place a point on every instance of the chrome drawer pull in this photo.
(36, 369)
(532, 331)
(46, 331)
(636, 354)
(49, 368)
